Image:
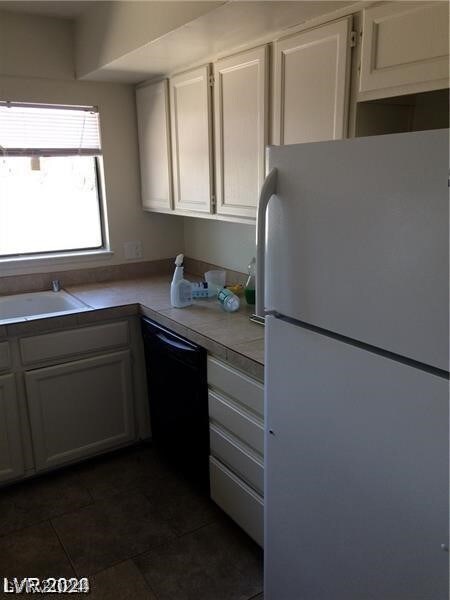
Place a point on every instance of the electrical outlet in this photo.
(132, 250)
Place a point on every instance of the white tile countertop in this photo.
(230, 336)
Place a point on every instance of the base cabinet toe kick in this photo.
(236, 434)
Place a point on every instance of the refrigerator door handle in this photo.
(267, 191)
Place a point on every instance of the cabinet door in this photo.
(311, 85)
(190, 103)
(80, 408)
(240, 84)
(404, 48)
(152, 103)
(11, 459)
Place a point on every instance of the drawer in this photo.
(237, 457)
(57, 345)
(5, 357)
(237, 385)
(239, 501)
(243, 425)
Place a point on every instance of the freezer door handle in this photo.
(267, 191)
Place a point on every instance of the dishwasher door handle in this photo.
(174, 344)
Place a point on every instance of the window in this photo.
(50, 192)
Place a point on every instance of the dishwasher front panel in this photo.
(178, 399)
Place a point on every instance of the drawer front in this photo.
(239, 501)
(5, 357)
(235, 456)
(239, 386)
(49, 346)
(234, 419)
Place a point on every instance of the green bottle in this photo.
(250, 285)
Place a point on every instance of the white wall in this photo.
(32, 45)
(230, 245)
(109, 30)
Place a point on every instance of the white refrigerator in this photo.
(356, 247)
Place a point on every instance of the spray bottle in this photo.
(180, 288)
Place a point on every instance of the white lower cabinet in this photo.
(80, 408)
(11, 457)
(237, 456)
(242, 504)
(236, 433)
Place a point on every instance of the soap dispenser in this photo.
(250, 285)
(180, 288)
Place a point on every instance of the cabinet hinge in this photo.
(211, 80)
(353, 38)
(213, 203)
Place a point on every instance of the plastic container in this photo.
(216, 277)
(249, 292)
(229, 301)
(180, 288)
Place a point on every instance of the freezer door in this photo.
(356, 490)
(357, 240)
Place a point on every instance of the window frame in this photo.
(19, 260)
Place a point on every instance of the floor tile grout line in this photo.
(128, 489)
(168, 540)
(152, 548)
(64, 549)
(176, 535)
(48, 518)
(197, 528)
(92, 501)
(124, 560)
(19, 529)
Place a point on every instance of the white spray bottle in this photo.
(180, 288)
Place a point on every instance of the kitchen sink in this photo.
(24, 306)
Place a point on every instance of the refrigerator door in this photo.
(356, 496)
(357, 240)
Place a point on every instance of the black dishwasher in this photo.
(178, 398)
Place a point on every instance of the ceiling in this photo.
(66, 9)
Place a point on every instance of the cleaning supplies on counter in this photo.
(229, 301)
(203, 289)
(236, 288)
(180, 288)
(250, 285)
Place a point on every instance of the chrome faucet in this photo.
(56, 285)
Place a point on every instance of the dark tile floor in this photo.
(133, 526)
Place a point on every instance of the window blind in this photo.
(48, 130)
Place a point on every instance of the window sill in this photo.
(10, 265)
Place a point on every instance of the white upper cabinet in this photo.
(404, 49)
(190, 103)
(241, 131)
(311, 84)
(152, 103)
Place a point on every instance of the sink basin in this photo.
(23, 306)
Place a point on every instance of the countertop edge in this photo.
(49, 324)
